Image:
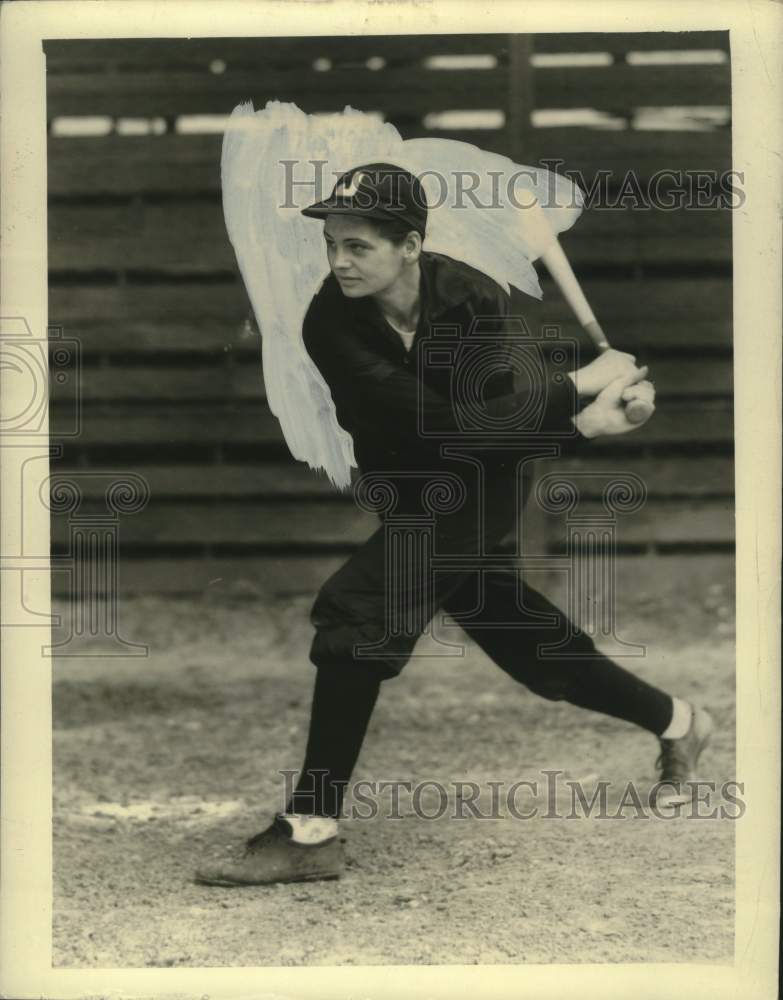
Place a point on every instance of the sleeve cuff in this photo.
(561, 405)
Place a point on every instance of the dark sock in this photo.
(607, 687)
(343, 702)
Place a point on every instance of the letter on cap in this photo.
(350, 190)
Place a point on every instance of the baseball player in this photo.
(364, 330)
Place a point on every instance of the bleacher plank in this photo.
(392, 90)
(190, 237)
(334, 522)
(673, 379)
(630, 41)
(131, 338)
(259, 575)
(674, 476)
(174, 305)
(651, 337)
(267, 480)
(582, 153)
(63, 55)
(193, 303)
(174, 238)
(648, 317)
(623, 87)
(196, 54)
(671, 476)
(650, 237)
(190, 164)
(146, 384)
(233, 577)
(179, 92)
(668, 299)
(196, 424)
(658, 523)
(249, 422)
(193, 522)
(690, 423)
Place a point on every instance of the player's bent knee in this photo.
(350, 647)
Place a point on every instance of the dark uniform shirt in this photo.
(404, 408)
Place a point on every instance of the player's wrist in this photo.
(586, 383)
(574, 376)
(588, 422)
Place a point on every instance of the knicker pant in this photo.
(369, 615)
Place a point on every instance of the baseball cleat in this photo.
(678, 760)
(272, 856)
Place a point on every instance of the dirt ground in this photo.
(162, 759)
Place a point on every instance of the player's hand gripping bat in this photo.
(547, 247)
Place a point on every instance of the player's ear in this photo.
(412, 246)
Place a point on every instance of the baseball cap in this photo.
(376, 191)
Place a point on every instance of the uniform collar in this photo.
(442, 285)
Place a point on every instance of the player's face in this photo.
(363, 262)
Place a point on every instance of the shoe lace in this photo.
(258, 840)
(672, 761)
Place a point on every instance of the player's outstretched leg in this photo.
(574, 670)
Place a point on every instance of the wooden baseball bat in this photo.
(547, 247)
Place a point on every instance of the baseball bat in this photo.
(547, 246)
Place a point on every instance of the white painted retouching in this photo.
(477, 215)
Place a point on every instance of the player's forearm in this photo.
(402, 405)
(397, 400)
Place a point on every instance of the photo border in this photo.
(26, 859)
